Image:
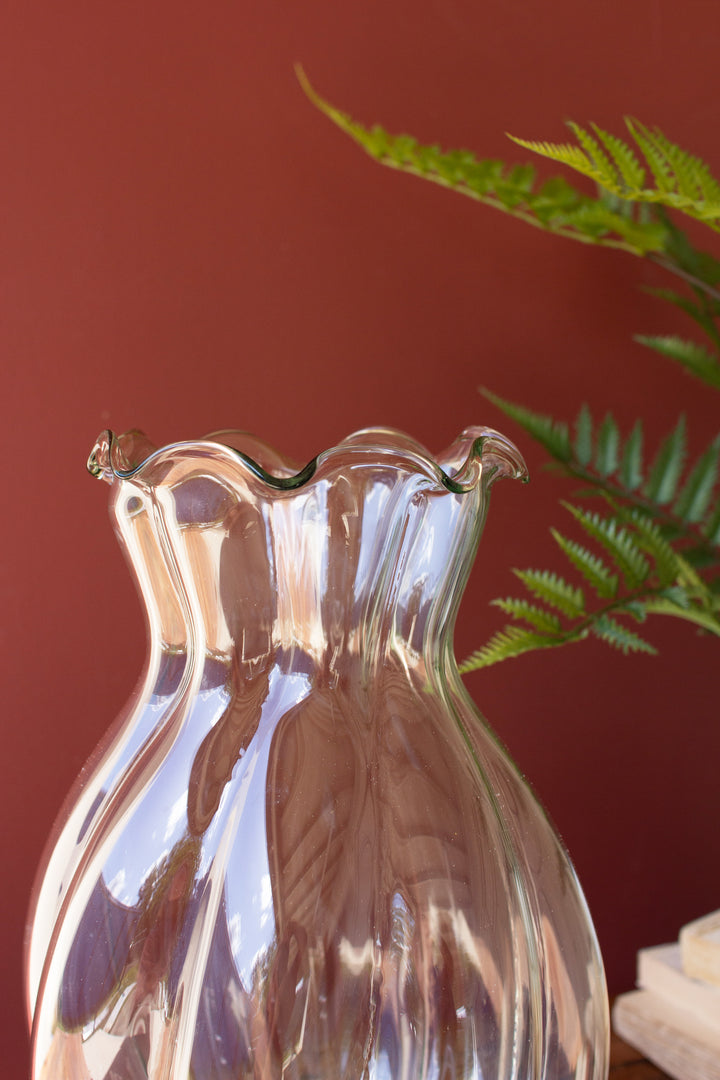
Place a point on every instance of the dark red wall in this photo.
(187, 245)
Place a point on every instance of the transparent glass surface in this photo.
(301, 853)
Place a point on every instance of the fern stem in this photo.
(657, 605)
(521, 215)
(660, 606)
(673, 268)
(690, 535)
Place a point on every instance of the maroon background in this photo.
(188, 245)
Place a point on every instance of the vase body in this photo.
(301, 853)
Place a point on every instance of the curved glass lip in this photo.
(483, 452)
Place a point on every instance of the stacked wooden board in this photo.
(674, 1015)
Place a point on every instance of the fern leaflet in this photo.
(505, 644)
(617, 635)
(553, 590)
(695, 496)
(629, 168)
(593, 569)
(617, 542)
(606, 460)
(553, 435)
(631, 465)
(711, 528)
(545, 621)
(583, 445)
(695, 358)
(667, 467)
(669, 565)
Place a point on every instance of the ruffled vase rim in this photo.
(477, 453)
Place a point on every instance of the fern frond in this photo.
(695, 358)
(614, 633)
(505, 644)
(555, 206)
(552, 434)
(667, 467)
(682, 181)
(593, 569)
(545, 621)
(617, 541)
(554, 591)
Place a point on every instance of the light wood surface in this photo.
(626, 1063)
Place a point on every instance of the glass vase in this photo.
(301, 853)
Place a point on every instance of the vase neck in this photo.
(367, 552)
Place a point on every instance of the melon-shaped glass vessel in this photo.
(301, 853)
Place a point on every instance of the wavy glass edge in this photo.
(478, 453)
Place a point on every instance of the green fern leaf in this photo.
(631, 464)
(631, 171)
(693, 357)
(701, 265)
(704, 315)
(583, 445)
(700, 616)
(505, 644)
(635, 608)
(617, 542)
(522, 178)
(614, 633)
(605, 173)
(683, 182)
(679, 164)
(696, 493)
(593, 569)
(563, 153)
(606, 459)
(551, 434)
(594, 220)
(667, 467)
(555, 200)
(701, 557)
(678, 596)
(656, 159)
(550, 588)
(556, 206)
(554, 591)
(693, 177)
(545, 621)
(669, 565)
